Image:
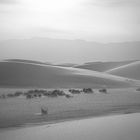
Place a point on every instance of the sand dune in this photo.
(20, 74)
(119, 127)
(130, 71)
(103, 66)
(27, 61)
(66, 64)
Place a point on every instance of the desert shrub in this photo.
(68, 96)
(46, 93)
(18, 93)
(35, 95)
(87, 90)
(55, 93)
(138, 89)
(37, 91)
(29, 96)
(39, 95)
(103, 90)
(74, 91)
(10, 95)
(60, 92)
(3, 96)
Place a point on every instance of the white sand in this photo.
(120, 127)
(130, 71)
(15, 74)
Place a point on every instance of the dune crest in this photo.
(21, 74)
(130, 71)
(103, 66)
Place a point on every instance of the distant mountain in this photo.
(103, 66)
(18, 74)
(68, 51)
(131, 70)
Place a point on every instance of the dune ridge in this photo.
(103, 66)
(22, 74)
(131, 70)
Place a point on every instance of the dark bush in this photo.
(74, 91)
(10, 95)
(103, 90)
(87, 90)
(18, 93)
(46, 93)
(3, 96)
(68, 96)
(29, 96)
(138, 89)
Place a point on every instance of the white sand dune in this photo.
(27, 61)
(120, 127)
(102, 66)
(66, 64)
(21, 74)
(130, 71)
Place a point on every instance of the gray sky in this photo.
(94, 20)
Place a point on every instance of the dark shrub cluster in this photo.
(11, 95)
(18, 93)
(104, 90)
(87, 90)
(39, 93)
(74, 91)
(34, 93)
(56, 93)
(3, 96)
(138, 89)
(68, 96)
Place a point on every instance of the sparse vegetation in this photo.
(68, 96)
(138, 89)
(18, 93)
(87, 90)
(3, 96)
(74, 91)
(29, 96)
(35, 93)
(104, 90)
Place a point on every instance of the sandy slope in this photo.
(20, 74)
(103, 66)
(66, 64)
(121, 127)
(130, 71)
(27, 61)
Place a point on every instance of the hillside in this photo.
(130, 71)
(103, 66)
(16, 74)
(27, 61)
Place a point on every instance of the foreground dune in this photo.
(130, 71)
(21, 74)
(19, 110)
(121, 127)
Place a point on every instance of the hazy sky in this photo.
(96, 20)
